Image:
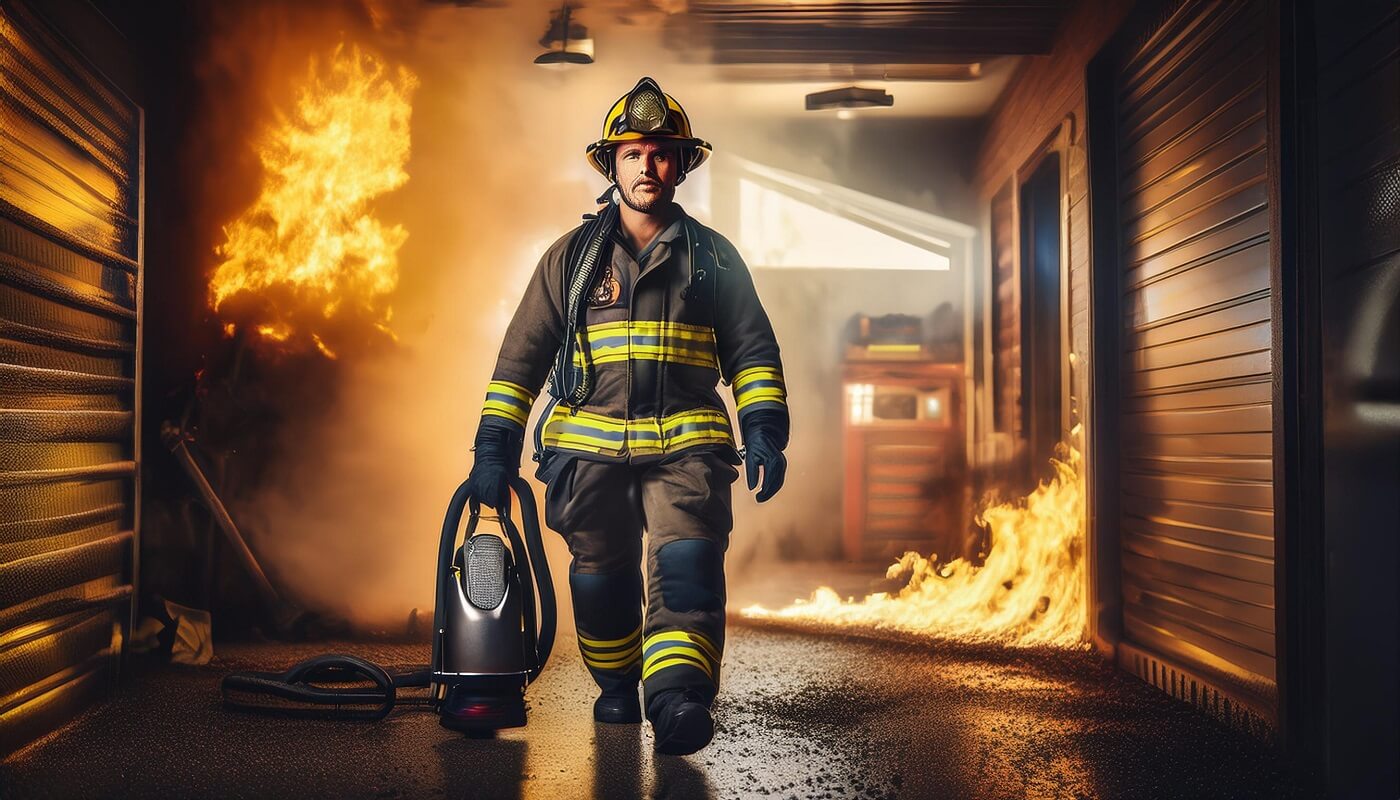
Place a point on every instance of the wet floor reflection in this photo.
(800, 717)
(617, 760)
(620, 756)
(678, 779)
(487, 768)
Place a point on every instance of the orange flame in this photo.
(308, 251)
(1029, 591)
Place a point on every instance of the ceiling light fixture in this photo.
(849, 97)
(574, 44)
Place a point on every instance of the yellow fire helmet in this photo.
(646, 112)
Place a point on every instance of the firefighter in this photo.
(635, 317)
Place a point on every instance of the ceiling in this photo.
(865, 31)
(939, 58)
(784, 95)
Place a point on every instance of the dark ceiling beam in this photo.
(906, 32)
(828, 73)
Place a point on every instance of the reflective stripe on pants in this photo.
(684, 505)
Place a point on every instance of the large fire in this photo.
(308, 255)
(1029, 591)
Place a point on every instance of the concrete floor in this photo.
(799, 716)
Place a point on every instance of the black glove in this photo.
(765, 436)
(498, 445)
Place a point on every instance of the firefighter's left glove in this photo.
(765, 436)
(497, 448)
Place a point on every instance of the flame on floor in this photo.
(1029, 591)
(309, 250)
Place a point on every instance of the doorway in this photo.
(1041, 374)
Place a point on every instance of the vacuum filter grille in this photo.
(485, 573)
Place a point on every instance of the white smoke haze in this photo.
(496, 172)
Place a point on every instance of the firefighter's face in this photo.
(647, 171)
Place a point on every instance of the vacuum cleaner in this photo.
(489, 642)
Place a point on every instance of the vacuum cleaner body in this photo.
(483, 634)
(487, 645)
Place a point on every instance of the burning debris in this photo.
(1029, 591)
(308, 255)
(306, 273)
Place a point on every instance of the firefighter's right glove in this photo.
(765, 436)
(497, 448)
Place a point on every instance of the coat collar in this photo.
(659, 250)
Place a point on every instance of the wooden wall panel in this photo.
(1045, 92)
(1005, 316)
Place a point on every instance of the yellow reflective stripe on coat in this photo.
(651, 340)
(759, 386)
(509, 400)
(583, 430)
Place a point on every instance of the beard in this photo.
(646, 203)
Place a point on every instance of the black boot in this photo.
(681, 721)
(618, 708)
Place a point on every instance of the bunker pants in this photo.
(684, 505)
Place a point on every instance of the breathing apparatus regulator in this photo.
(489, 640)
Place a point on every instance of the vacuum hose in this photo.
(294, 693)
(539, 565)
(299, 692)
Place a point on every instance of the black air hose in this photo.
(572, 386)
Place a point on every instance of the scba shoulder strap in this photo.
(571, 383)
(705, 268)
(568, 383)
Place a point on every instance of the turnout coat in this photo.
(660, 331)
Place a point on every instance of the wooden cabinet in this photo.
(904, 459)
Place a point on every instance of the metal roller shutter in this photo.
(1195, 489)
(70, 266)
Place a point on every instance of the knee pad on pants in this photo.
(609, 604)
(690, 575)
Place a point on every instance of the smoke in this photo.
(348, 515)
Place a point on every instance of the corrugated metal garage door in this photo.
(69, 299)
(1195, 488)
